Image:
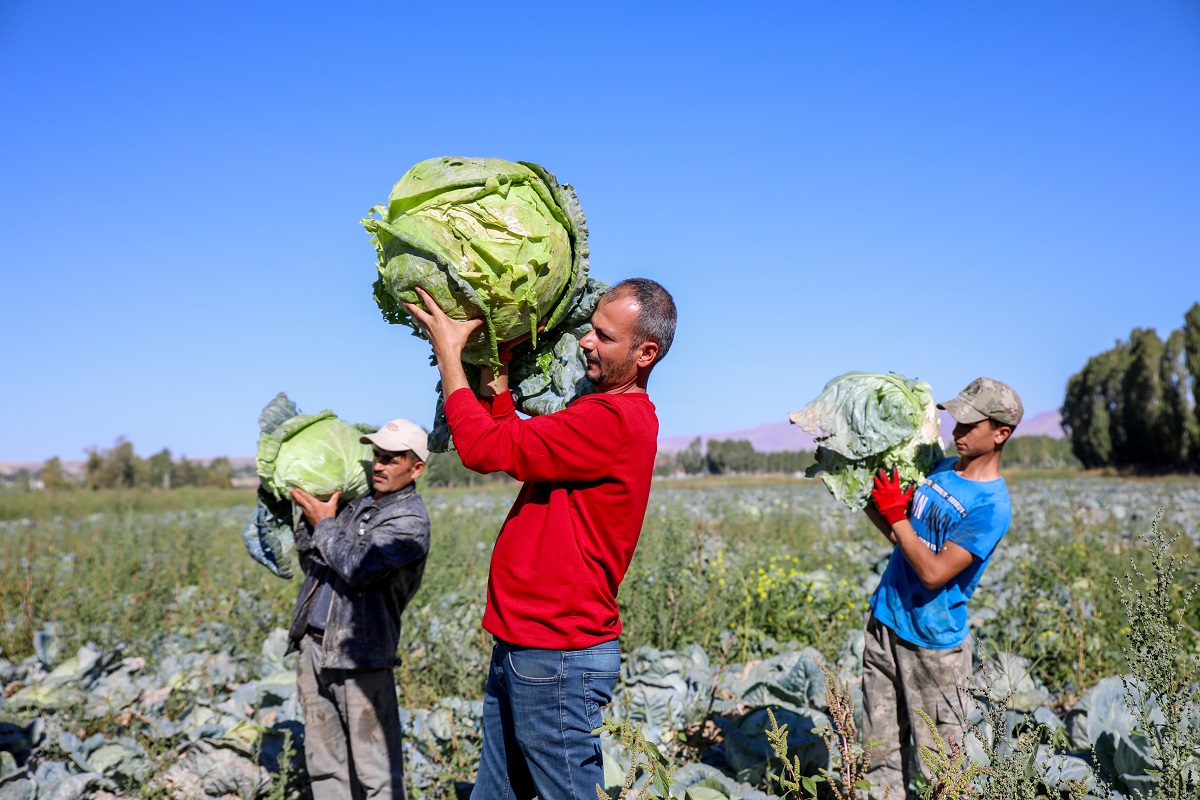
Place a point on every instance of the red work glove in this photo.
(889, 498)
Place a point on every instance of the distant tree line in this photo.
(119, 467)
(446, 469)
(1137, 405)
(1035, 452)
(732, 457)
(738, 457)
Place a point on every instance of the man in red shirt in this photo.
(567, 542)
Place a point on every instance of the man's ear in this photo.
(647, 353)
(1001, 434)
(418, 468)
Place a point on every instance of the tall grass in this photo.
(76, 503)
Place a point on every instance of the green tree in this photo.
(21, 480)
(1092, 408)
(725, 456)
(1191, 349)
(1175, 420)
(186, 473)
(53, 477)
(446, 469)
(120, 468)
(1141, 391)
(219, 473)
(159, 468)
(93, 470)
(691, 458)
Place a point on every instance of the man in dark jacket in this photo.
(362, 565)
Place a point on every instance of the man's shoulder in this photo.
(623, 405)
(405, 502)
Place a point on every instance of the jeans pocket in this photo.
(597, 693)
(536, 666)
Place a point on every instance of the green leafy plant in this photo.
(283, 783)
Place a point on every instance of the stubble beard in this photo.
(604, 377)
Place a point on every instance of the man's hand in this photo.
(315, 510)
(448, 336)
(889, 498)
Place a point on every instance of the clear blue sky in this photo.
(941, 189)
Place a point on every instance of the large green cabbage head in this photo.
(863, 422)
(485, 237)
(318, 453)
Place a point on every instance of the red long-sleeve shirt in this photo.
(569, 537)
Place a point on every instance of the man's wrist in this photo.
(892, 516)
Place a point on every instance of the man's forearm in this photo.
(454, 377)
(493, 383)
(933, 569)
(879, 522)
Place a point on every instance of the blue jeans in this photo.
(539, 711)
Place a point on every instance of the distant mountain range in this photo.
(783, 435)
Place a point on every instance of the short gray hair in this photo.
(656, 312)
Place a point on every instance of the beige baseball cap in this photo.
(400, 435)
(985, 398)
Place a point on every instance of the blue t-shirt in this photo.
(946, 508)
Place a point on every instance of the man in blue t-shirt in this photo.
(944, 532)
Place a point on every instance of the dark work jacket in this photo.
(372, 555)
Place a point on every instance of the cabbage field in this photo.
(141, 649)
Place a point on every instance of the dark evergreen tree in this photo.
(1092, 408)
(1191, 349)
(1175, 419)
(1145, 442)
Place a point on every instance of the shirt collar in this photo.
(388, 499)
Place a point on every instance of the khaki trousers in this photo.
(352, 735)
(898, 678)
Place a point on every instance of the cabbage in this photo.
(500, 240)
(318, 453)
(864, 422)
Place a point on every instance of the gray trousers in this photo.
(898, 678)
(352, 732)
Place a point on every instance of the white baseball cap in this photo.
(400, 435)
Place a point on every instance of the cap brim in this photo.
(366, 439)
(962, 411)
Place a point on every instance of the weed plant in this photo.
(849, 755)
(644, 756)
(1163, 692)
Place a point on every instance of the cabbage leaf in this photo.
(863, 422)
